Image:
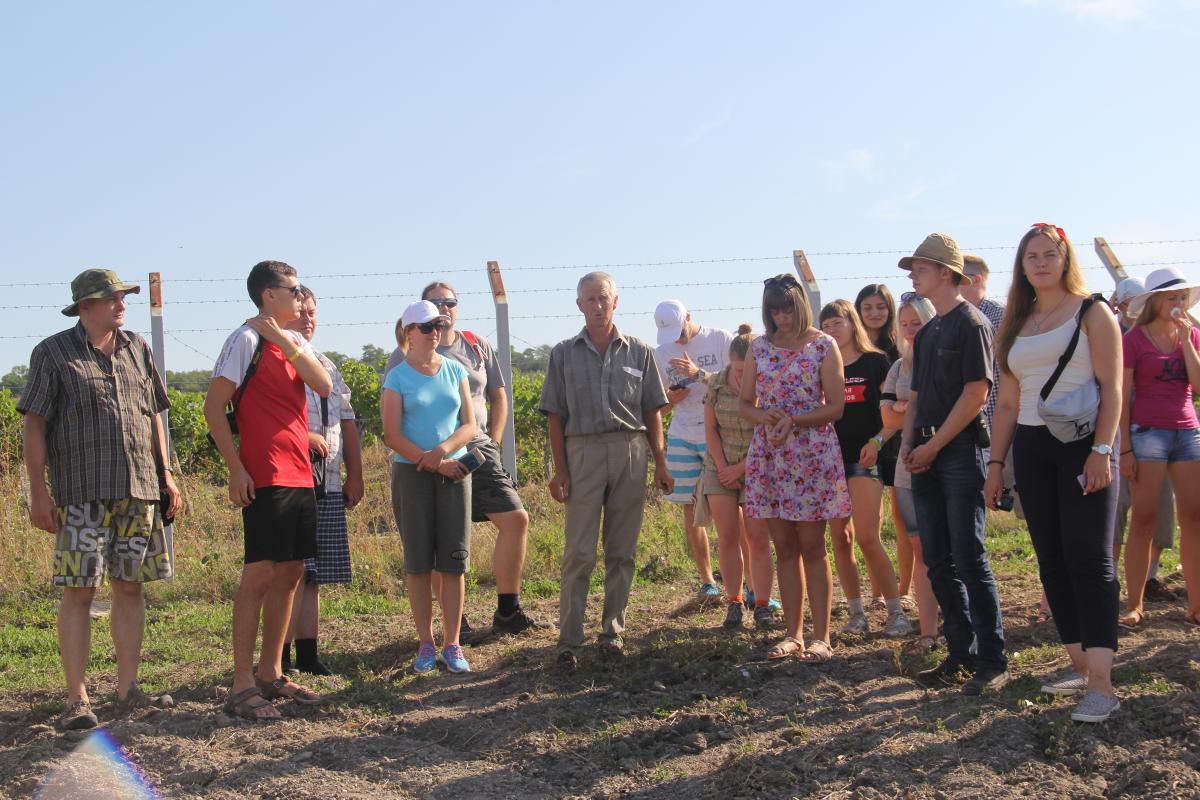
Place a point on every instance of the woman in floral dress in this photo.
(793, 391)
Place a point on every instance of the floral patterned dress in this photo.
(802, 479)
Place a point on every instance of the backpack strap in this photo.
(1066, 356)
(250, 370)
(473, 340)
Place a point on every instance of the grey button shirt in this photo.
(606, 393)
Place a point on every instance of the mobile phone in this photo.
(1082, 481)
(675, 387)
(1005, 503)
(473, 460)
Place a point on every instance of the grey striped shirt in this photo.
(602, 394)
(98, 413)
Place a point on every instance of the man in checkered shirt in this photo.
(974, 294)
(92, 426)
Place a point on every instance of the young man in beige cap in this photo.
(941, 447)
(91, 410)
(603, 400)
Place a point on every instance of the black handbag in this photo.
(318, 460)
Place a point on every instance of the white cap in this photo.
(1129, 289)
(669, 317)
(421, 311)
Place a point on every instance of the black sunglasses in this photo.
(782, 280)
(906, 297)
(430, 327)
(297, 290)
(445, 302)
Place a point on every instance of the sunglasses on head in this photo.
(445, 302)
(782, 280)
(430, 327)
(907, 297)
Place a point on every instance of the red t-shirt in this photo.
(272, 413)
(1162, 394)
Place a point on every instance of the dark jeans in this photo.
(950, 515)
(1072, 534)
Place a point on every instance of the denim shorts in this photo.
(1165, 444)
(857, 470)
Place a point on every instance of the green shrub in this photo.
(196, 454)
(363, 381)
(10, 431)
(529, 426)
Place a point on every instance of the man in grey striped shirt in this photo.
(603, 398)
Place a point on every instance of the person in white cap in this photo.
(1125, 292)
(686, 356)
(428, 420)
(1159, 427)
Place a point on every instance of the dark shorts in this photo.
(493, 491)
(281, 524)
(887, 470)
(857, 470)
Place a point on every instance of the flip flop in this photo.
(1132, 619)
(287, 690)
(239, 705)
(787, 646)
(818, 652)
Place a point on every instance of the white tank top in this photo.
(1034, 358)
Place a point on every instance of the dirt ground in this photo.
(693, 712)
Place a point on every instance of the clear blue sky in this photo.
(347, 138)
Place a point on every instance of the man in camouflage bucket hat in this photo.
(97, 384)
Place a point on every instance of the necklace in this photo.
(1037, 326)
(1173, 339)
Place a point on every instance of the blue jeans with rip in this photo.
(950, 517)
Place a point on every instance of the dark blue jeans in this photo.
(950, 516)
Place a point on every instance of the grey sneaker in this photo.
(78, 716)
(764, 618)
(135, 698)
(733, 617)
(1070, 684)
(857, 625)
(897, 626)
(1095, 707)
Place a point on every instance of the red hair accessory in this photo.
(1061, 233)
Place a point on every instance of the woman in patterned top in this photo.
(741, 543)
(792, 390)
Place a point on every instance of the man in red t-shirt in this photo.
(264, 368)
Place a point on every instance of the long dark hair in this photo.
(886, 339)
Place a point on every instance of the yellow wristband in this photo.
(295, 355)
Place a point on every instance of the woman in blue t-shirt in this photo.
(428, 420)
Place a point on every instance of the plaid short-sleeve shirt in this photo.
(995, 315)
(98, 412)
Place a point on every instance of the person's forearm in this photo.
(964, 412)
(34, 447)
(310, 370)
(558, 442)
(1192, 361)
(351, 449)
(826, 412)
(908, 435)
(1004, 425)
(498, 415)
(750, 411)
(463, 434)
(654, 434)
(163, 453)
(712, 439)
(222, 436)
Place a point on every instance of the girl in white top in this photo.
(1067, 488)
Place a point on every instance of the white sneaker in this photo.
(1095, 707)
(857, 625)
(897, 626)
(1070, 684)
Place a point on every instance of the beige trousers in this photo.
(608, 479)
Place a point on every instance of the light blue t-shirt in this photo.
(431, 404)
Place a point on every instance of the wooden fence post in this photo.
(808, 281)
(504, 351)
(1110, 260)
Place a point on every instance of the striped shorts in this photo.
(332, 564)
(685, 460)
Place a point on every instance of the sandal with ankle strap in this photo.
(787, 646)
(240, 705)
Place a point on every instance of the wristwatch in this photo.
(1102, 449)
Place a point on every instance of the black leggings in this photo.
(1072, 534)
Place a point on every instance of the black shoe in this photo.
(986, 680)
(1157, 593)
(286, 666)
(733, 617)
(947, 673)
(516, 622)
(314, 668)
(567, 661)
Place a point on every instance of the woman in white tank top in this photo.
(1067, 488)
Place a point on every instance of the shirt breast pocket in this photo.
(629, 386)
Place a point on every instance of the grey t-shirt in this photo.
(483, 373)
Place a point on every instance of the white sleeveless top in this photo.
(1033, 360)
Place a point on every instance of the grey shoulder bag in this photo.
(1072, 416)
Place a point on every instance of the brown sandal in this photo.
(787, 646)
(239, 705)
(287, 690)
(818, 652)
(1132, 619)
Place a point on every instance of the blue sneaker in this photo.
(774, 605)
(426, 660)
(454, 658)
(709, 591)
(749, 599)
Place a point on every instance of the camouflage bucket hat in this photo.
(940, 249)
(93, 284)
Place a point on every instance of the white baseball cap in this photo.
(421, 311)
(669, 317)
(1129, 289)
